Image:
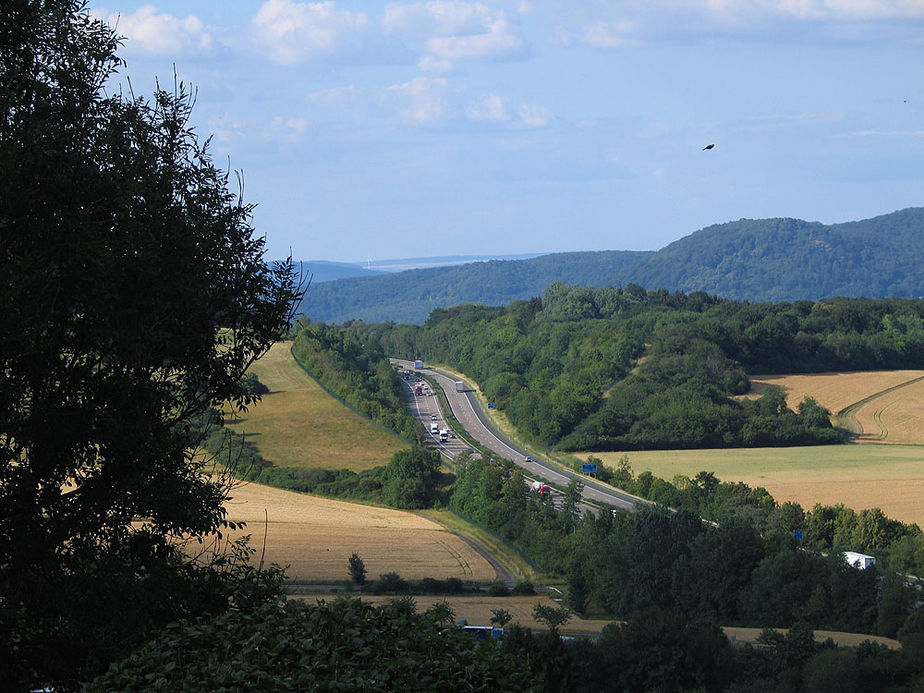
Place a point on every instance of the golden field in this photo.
(882, 407)
(315, 537)
(890, 477)
(299, 425)
(879, 406)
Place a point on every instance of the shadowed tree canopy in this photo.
(133, 295)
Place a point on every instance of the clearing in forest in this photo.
(315, 537)
(299, 425)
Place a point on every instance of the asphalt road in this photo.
(467, 410)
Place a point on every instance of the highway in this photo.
(467, 410)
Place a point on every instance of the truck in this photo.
(418, 390)
(444, 434)
(418, 363)
(460, 386)
(541, 488)
(434, 429)
(859, 560)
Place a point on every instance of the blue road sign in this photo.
(588, 469)
(490, 405)
(797, 533)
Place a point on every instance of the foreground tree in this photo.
(133, 296)
(345, 645)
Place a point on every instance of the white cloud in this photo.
(499, 40)
(496, 109)
(610, 34)
(629, 22)
(432, 64)
(491, 108)
(448, 31)
(889, 133)
(533, 116)
(290, 128)
(422, 100)
(290, 32)
(148, 31)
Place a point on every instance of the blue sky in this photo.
(370, 130)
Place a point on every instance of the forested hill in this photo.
(791, 259)
(754, 260)
(408, 297)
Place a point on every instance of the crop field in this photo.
(890, 477)
(879, 406)
(882, 407)
(315, 537)
(299, 425)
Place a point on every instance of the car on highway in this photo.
(528, 459)
(433, 417)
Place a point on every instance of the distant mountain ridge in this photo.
(750, 259)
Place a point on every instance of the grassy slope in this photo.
(300, 425)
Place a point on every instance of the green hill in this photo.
(408, 297)
(750, 259)
(791, 259)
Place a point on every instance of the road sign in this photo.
(490, 405)
(588, 469)
(797, 534)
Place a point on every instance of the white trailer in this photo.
(460, 386)
(859, 560)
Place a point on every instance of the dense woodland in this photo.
(749, 259)
(626, 368)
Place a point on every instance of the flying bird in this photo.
(708, 146)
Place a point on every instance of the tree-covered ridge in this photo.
(409, 296)
(749, 259)
(626, 368)
(791, 259)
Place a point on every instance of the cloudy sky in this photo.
(372, 130)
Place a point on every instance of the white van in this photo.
(434, 429)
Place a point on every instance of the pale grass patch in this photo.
(299, 425)
(315, 537)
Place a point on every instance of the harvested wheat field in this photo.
(890, 477)
(315, 537)
(299, 425)
(879, 406)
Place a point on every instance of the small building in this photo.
(859, 560)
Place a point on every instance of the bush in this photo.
(524, 588)
(390, 583)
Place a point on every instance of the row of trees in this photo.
(356, 371)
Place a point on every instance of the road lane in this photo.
(467, 410)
